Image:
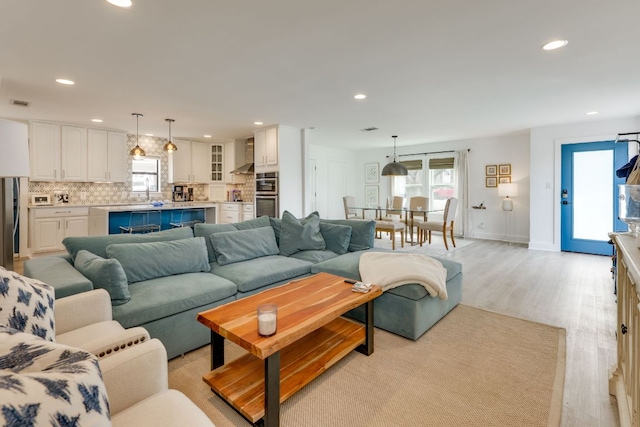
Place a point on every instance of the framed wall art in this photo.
(491, 181)
(371, 173)
(491, 170)
(371, 195)
(504, 180)
(504, 170)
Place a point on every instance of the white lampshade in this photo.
(14, 149)
(506, 191)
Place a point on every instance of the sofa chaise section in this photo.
(407, 310)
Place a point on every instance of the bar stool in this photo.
(186, 217)
(139, 223)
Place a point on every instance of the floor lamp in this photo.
(14, 146)
(505, 190)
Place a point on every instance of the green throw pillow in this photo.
(299, 235)
(243, 245)
(107, 274)
(98, 244)
(206, 230)
(260, 222)
(363, 232)
(336, 237)
(144, 261)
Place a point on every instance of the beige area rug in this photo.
(473, 368)
(436, 248)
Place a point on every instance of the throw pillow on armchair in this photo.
(26, 304)
(43, 383)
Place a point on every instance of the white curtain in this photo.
(461, 168)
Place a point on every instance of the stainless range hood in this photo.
(244, 169)
(247, 168)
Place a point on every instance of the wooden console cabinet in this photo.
(624, 382)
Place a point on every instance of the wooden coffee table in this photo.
(311, 336)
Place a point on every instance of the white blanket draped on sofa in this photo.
(390, 270)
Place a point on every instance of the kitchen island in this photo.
(108, 219)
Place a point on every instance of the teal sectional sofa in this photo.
(160, 281)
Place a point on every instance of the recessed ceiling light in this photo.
(148, 134)
(555, 44)
(96, 120)
(360, 96)
(258, 123)
(65, 82)
(592, 113)
(207, 136)
(121, 3)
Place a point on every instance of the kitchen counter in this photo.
(108, 219)
(149, 207)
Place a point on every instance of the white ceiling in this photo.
(433, 70)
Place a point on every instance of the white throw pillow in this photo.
(27, 305)
(43, 383)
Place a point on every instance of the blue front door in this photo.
(588, 196)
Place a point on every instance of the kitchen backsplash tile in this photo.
(111, 193)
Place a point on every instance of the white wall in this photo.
(485, 224)
(545, 171)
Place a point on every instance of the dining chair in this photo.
(446, 225)
(349, 211)
(394, 212)
(413, 218)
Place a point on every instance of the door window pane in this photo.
(441, 187)
(592, 194)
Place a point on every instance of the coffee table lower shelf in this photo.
(241, 382)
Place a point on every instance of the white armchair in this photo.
(137, 385)
(85, 321)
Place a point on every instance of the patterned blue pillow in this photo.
(48, 384)
(26, 305)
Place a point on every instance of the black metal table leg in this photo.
(367, 347)
(272, 390)
(217, 350)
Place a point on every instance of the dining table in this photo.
(409, 215)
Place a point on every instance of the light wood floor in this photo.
(572, 291)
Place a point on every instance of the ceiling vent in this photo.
(369, 129)
(19, 103)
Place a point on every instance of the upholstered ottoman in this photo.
(407, 310)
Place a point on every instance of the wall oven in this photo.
(267, 183)
(267, 205)
(267, 194)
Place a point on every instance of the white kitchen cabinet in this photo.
(190, 162)
(266, 148)
(247, 212)
(107, 156)
(234, 158)
(58, 152)
(49, 226)
(230, 213)
(73, 153)
(216, 169)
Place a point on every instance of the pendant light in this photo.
(137, 152)
(394, 168)
(170, 147)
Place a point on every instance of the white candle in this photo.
(267, 324)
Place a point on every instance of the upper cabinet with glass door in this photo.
(216, 164)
